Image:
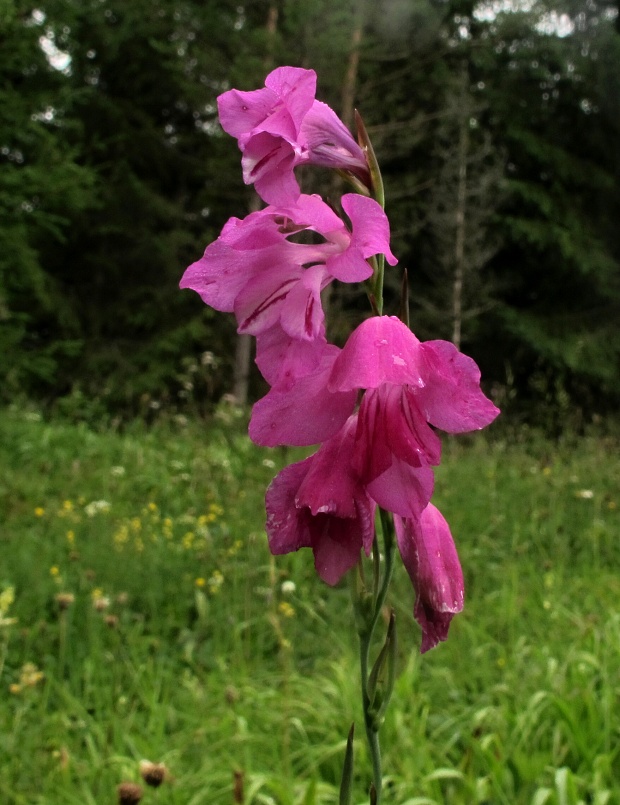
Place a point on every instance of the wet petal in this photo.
(430, 556)
(451, 397)
(303, 412)
(403, 489)
(381, 350)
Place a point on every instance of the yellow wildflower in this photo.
(200, 582)
(54, 571)
(30, 675)
(284, 608)
(71, 537)
(39, 511)
(216, 581)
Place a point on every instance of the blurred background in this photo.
(497, 126)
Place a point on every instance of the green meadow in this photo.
(142, 617)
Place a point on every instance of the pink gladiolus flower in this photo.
(255, 270)
(408, 385)
(281, 126)
(319, 503)
(432, 562)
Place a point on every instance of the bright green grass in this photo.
(207, 664)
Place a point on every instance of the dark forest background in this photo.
(497, 126)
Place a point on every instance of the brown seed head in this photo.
(153, 774)
(129, 793)
(111, 621)
(101, 603)
(64, 600)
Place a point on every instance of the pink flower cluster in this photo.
(372, 405)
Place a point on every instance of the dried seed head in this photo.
(64, 600)
(153, 774)
(129, 793)
(111, 621)
(101, 603)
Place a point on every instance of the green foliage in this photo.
(184, 644)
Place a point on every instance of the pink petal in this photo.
(370, 226)
(268, 162)
(240, 112)
(260, 302)
(301, 413)
(218, 276)
(349, 266)
(329, 141)
(336, 544)
(311, 212)
(302, 315)
(281, 358)
(320, 503)
(286, 529)
(331, 486)
(403, 489)
(392, 427)
(451, 397)
(296, 88)
(381, 350)
(429, 554)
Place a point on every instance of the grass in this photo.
(183, 641)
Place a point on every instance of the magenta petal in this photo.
(240, 112)
(281, 358)
(302, 316)
(268, 162)
(349, 266)
(330, 143)
(286, 527)
(331, 486)
(218, 276)
(370, 226)
(302, 413)
(381, 350)
(296, 87)
(391, 428)
(320, 503)
(451, 397)
(430, 556)
(259, 304)
(336, 544)
(403, 489)
(311, 212)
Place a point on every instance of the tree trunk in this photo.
(460, 216)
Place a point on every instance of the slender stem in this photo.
(366, 631)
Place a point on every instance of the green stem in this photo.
(366, 631)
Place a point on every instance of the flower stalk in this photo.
(378, 682)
